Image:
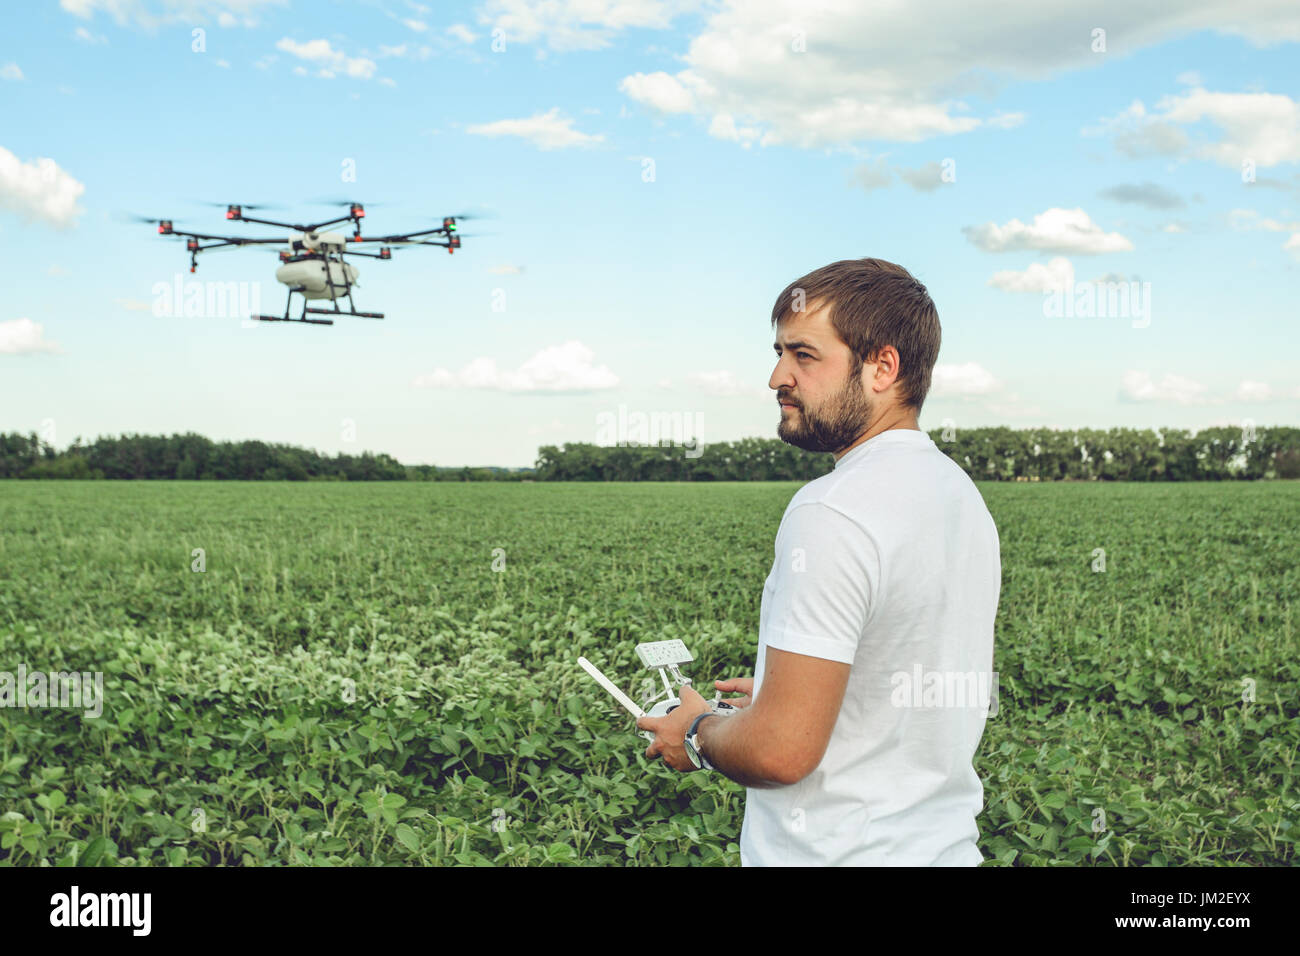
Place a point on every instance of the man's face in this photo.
(823, 404)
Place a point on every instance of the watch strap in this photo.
(692, 736)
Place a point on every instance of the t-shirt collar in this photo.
(888, 437)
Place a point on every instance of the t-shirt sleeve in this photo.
(825, 577)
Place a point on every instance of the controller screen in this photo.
(663, 653)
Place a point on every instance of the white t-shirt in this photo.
(889, 563)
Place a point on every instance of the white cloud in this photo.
(141, 13)
(1139, 387)
(1256, 392)
(224, 64)
(330, 61)
(724, 127)
(1005, 120)
(665, 93)
(725, 384)
(10, 71)
(1151, 195)
(925, 178)
(416, 25)
(1262, 128)
(559, 368)
(1056, 230)
(506, 270)
(24, 337)
(387, 51)
(1174, 227)
(1057, 275)
(962, 381)
(544, 130)
(878, 174)
(875, 175)
(461, 32)
(39, 190)
(1137, 134)
(1245, 220)
(134, 305)
(577, 24)
(827, 74)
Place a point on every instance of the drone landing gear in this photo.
(287, 318)
(336, 292)
(288, 304)
(284, 318)
(337, 311)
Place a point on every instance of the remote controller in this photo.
(666, 657)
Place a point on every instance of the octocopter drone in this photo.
(314, 264)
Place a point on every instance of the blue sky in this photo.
(657, 173)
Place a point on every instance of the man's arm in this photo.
(827, 574)
(782, 736)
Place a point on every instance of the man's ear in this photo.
(885, 370)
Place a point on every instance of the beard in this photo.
(837, 425)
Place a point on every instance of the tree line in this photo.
(1000, 454)
(986, 454)
(195, 457)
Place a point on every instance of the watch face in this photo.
(691, 752)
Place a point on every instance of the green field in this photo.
(349, 681)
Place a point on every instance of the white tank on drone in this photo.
(309, 275)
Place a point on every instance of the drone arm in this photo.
(284, 225)
(451, 245)
(407, 236)
(223, 240)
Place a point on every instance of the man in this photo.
(875, 650)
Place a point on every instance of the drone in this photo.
(314, 264)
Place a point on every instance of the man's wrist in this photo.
(695, 731)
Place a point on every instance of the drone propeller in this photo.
(132, 217)
(480, 214)
(430, 242)
(343, 202)
(239, 205)
(164, 225)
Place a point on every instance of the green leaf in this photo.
(97, 850)
(408, 838)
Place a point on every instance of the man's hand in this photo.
(670, 730)
(737, 685)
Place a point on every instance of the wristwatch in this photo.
(692, 743)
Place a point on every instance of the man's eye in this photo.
(803, 354)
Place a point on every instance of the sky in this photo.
(1104, 205)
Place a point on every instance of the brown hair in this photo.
(874, 303)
